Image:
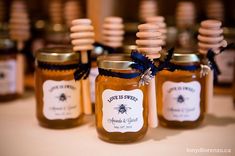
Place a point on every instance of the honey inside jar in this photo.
(121, 105)
(11, 70)
(181, 94)
(58, 95)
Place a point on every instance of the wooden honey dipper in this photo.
(149, 43)
(148, 8)
(55, 11)
(19, 25)
(185, 14)
(82, 36)
(72, 11)
(215, 10)
(113, 31)
(160, 21)
(210, 36)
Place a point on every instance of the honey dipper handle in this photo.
(152, 119)
(84, 57)
(86, 97)
(149, 43)
(82, 39)
(20, 45)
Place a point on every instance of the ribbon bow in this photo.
(83, 70)
(166, 63)
(147, 67)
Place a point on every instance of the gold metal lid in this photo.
(115, 61)
(184, 57)
(128, 48)
(229, 31)
(57, 54)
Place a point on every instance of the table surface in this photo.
(20, 135)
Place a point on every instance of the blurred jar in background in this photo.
(225, 60)
(56, 35)
(185, 23)
(11, 68)
(56, 31)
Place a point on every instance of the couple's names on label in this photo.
(123, 120)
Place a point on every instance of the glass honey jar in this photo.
(181, 94)
(11, 68)
(225, 61)
(121, 104)
(58, 94)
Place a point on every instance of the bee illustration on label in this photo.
(122, 109)
(181, 99)
(63, 97)
(2, 75)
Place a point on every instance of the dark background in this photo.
(128, 9)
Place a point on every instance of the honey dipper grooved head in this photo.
(148, 8)
(150, 40)
(55, 11)
(211, 36)
(215, 9)
(159, 21)
(82, 35)
(72, 11)
(113, 31)
(19, 24)
(185, 14)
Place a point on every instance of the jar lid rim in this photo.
(184, 57)
(57, 54)
(115, 61)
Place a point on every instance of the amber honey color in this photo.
(121, 105)
(181, 98)
(118, 84)
(12, 88)
(58, 95)
(11, 70)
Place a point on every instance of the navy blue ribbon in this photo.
(105, 72)
(44, 65)
(141, 64)
(166, 63)
(82, 69)
(173, 67)
(212, 63)
(82, 72)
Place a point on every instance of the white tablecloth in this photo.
(20, 135)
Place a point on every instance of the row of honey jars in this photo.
(11, 68)
(181, 94)
(58, 94)
(121, 103)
